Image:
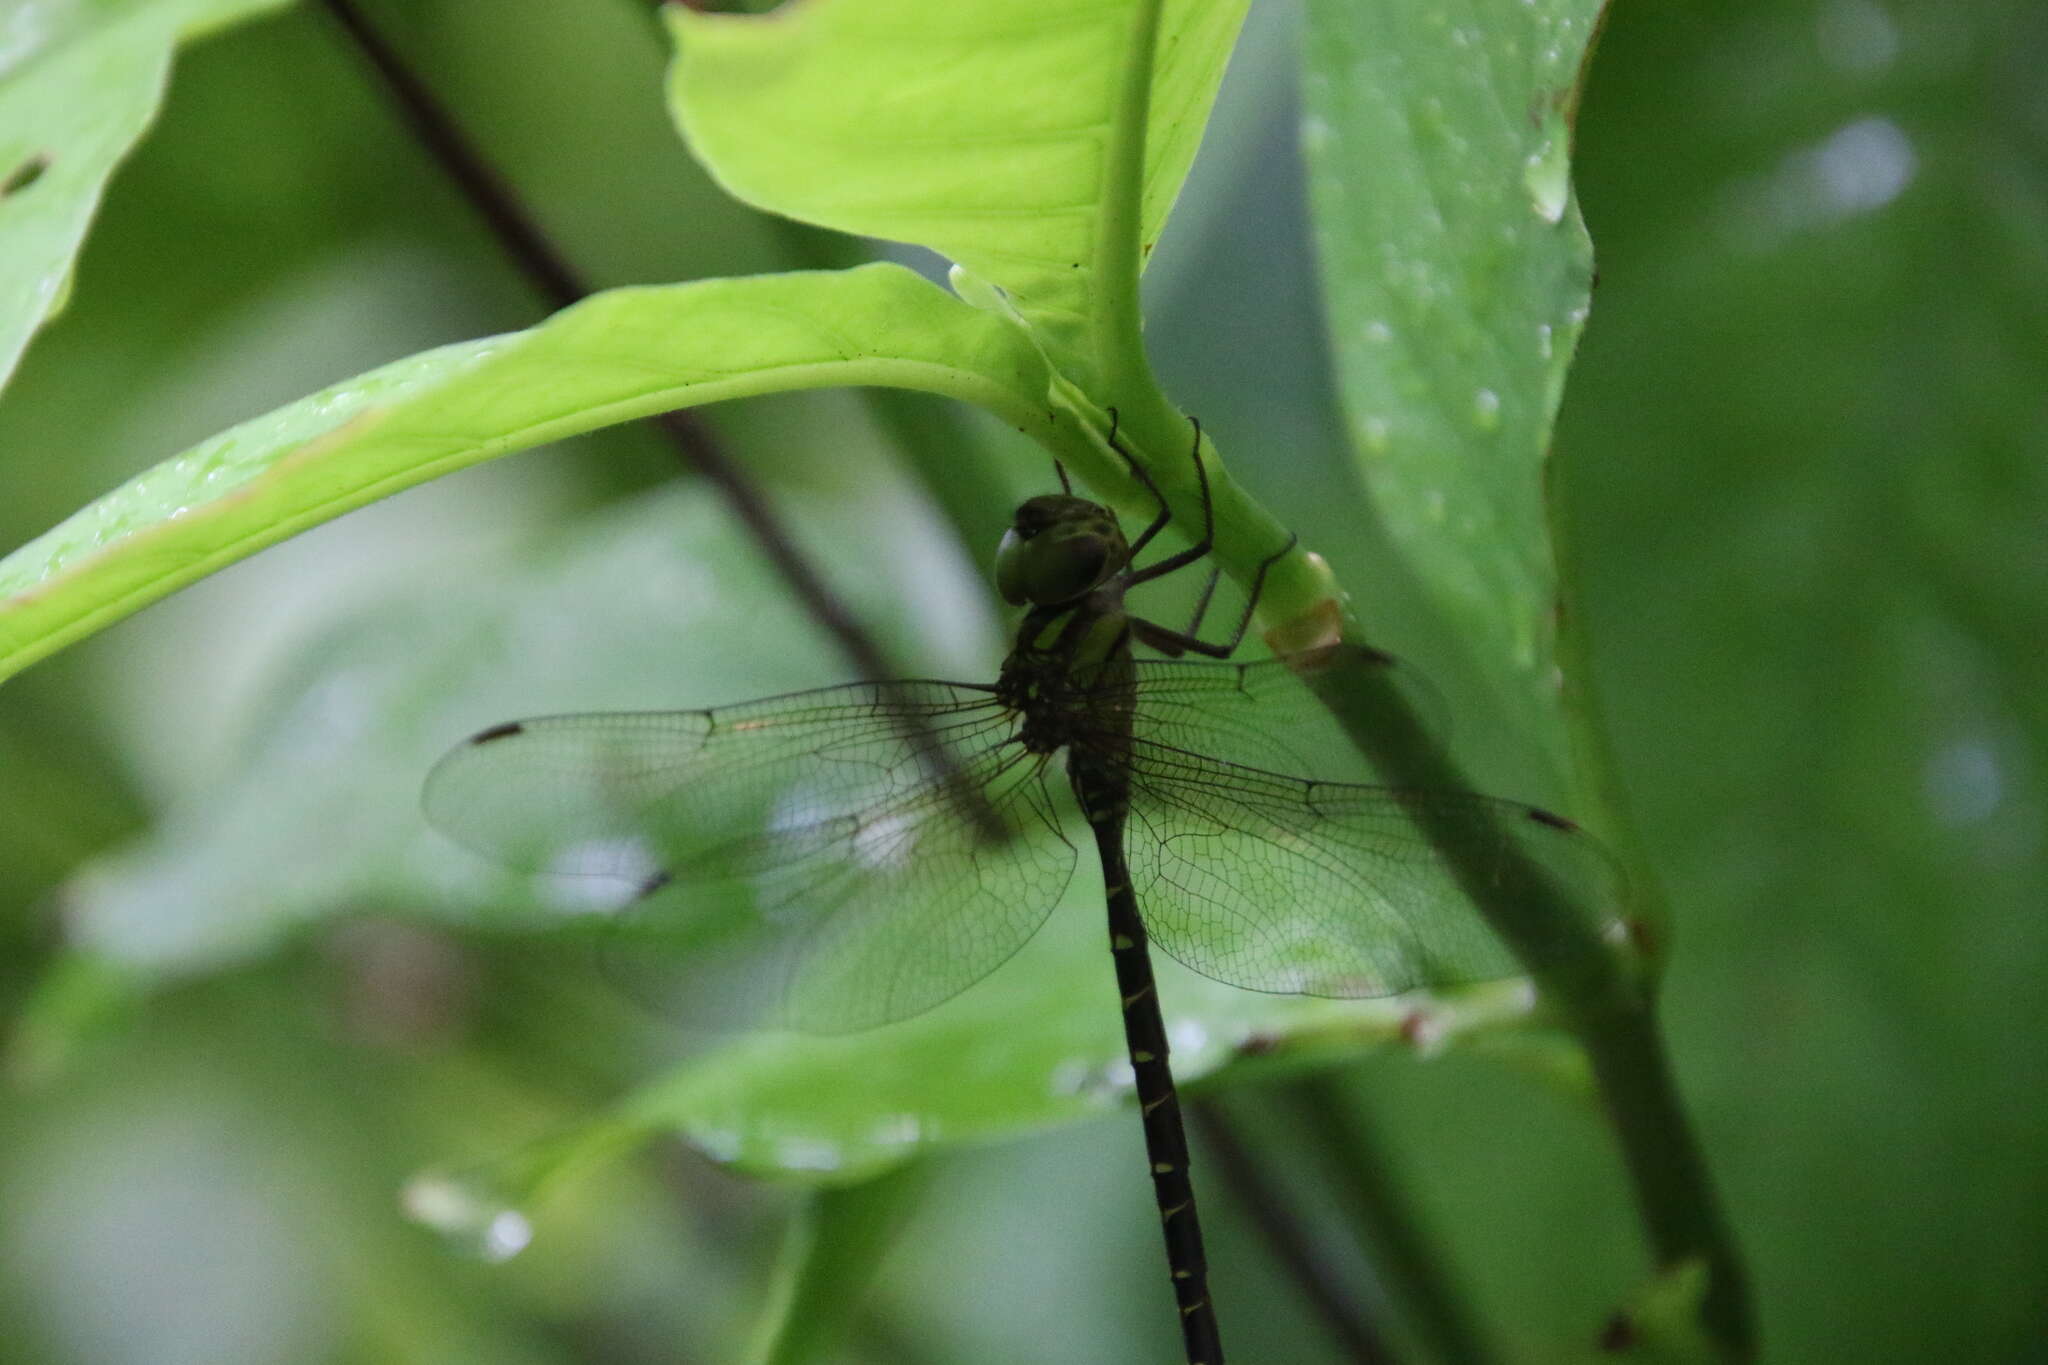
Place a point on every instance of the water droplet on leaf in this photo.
(470, 1216)
(973, 289)
(1547, 173)
(1486, 410)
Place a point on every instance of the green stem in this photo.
(1668, 1170)
(1594, 983)
(1674, 1193)
(1122, 367)
(1597, 791)
(1378, 1207)
(1160, 438)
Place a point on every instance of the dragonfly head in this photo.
(1058, 547)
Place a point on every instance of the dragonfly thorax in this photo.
(1053, 677)
(1050, 707)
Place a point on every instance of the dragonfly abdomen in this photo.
(1103, 797)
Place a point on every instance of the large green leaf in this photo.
(1038, 1043)
(986, 132)
(79, 83)
(1805, 467)
(640, 351)
(619, 355)
(1455, 274)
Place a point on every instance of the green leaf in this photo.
(79, 83)
(1805, 469)
(986, 132)
(619, 355)
(1036, 1044)
(1455, 272)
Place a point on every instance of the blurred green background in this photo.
(1802, 466)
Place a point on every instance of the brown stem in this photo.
(1288, 1238)
(513, 227)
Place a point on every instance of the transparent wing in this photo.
(1259, 715)
(1280, 883)
(829, 860)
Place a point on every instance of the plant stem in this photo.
(1415, 1277)
(1674, 1193)
(1289, 1240)
(1627, 1052)
(1123, 369)
(488, 193)
(519, 235)
(1592, 981)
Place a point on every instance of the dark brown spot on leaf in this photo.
(1642, 936)
(1619, 1334)
(24, 175)
(510, 727)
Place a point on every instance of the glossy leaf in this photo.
(1455, 272)
(985, 132)
(79, 85)
(1804, 466)
(624, 354)
(1036, 1044)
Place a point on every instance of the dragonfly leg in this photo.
(1138, 473)
(1174, 643)
(1200, 547)
(1202, 605)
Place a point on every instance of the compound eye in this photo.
(1045, 569)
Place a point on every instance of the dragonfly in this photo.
(843, 858)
